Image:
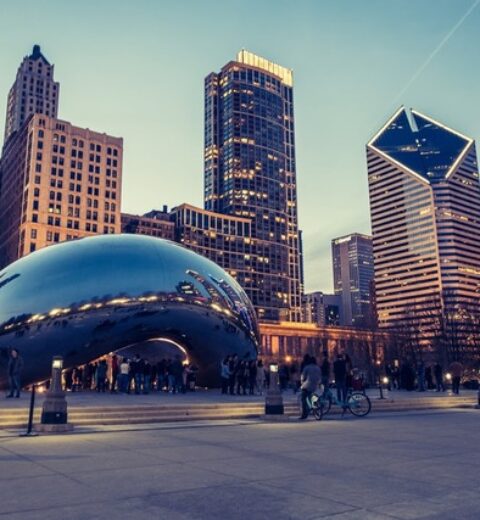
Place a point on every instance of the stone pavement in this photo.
(388, 466)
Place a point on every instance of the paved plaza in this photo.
(398, 465)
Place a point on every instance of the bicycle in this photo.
(357, 403)
(314, 406)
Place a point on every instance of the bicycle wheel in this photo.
(359, 404)
(317, 407)
(326, 401)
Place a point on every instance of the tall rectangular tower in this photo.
(250, 172)
(34, 91)
(352, 276)
(425, 214)
(59, 182)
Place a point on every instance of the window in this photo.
(33, 233)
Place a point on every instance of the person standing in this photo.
(15, 367)
(340, 374)
(147, 377)
(325, 370)
(311, 376)
(138, 365)
(101, 376)
(225, 374)
(252, 376)
(114, 373)
(456, 369)
(124, 376)
(421, 376)
(233, 367)
(260, 378)
(438, 372)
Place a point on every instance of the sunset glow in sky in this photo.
(136, 70)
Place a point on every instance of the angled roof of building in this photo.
(37, 54)
(420, 144)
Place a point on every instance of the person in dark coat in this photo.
(15, 368)
(340, 374)
(438, 372)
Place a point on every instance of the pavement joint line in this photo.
(38, 463)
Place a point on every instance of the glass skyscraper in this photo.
(425, 214)
(352, 276)
(250, 173)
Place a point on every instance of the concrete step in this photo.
(112, 415)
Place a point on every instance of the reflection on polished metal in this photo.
(86, 298)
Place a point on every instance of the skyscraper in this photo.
(425, 213)
(352, 275)
(250, 172)
(59, 182)
(323, 309)
(34, 91)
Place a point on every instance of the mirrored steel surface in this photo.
(86, 298)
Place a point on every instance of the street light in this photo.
(54, 409)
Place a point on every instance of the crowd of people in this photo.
(136, 375)
(410, 376)
(243, 376)
(238, 376)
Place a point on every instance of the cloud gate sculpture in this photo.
(89, 297)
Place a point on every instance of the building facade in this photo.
(289, 342)
(250, 173)
(154, 223)
(323, 309)
(352, 275)
(425, 214)
(59, 182)
(34, 91)
(222, 238)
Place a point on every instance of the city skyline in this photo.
(122, 96)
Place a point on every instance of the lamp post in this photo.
(273, 396)
(54, 409)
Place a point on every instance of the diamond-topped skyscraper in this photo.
(425, 214)
(250, 173)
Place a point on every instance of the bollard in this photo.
(54, 410)
(273, 395)
(30, 432)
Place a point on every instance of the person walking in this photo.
(340, 374)
(14, 369)
(311, 376)
(438, 372)
(456, 369)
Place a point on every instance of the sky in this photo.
(135, 69)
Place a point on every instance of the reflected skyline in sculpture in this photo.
(87, 298)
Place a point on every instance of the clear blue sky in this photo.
(135, 69)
